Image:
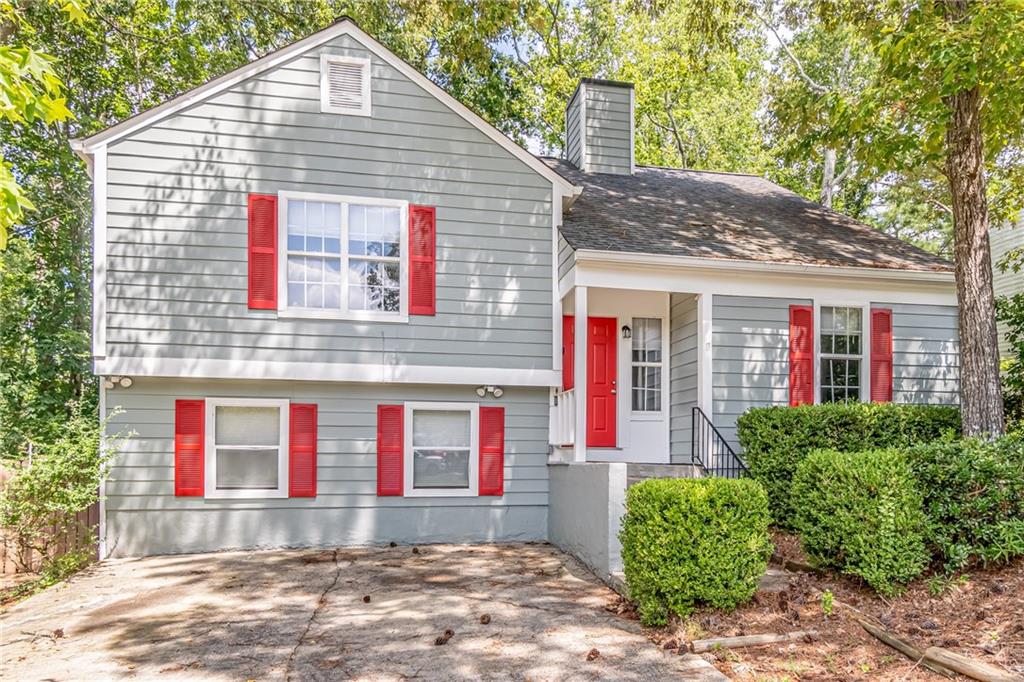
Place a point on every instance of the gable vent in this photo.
(345, 85)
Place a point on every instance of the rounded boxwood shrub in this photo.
(973, 498)
(687, 542)
(776, 439)
(860, 513)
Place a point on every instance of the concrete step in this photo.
(639, 472)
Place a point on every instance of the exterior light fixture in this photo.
(481, 391)
(126, 382)
(627, 333)
(108, 382)
(496, 391)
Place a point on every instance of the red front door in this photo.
(601, 388)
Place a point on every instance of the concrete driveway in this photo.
(353, 613)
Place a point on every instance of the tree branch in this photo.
(818, 88)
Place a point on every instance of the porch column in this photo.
(704, 336)
(580, 374)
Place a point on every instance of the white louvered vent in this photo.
(345, 85)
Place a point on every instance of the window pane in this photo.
(440, 428)
(646, 339)
(854, 318)
(440, 468)
(310, 282)
(314, 226)
(247, 425)
(826, 343)
(374, 230)
(246, 469)
(854, 344)
(373, 285)
(826, 319)
(654, 400)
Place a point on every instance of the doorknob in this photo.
(613, 391)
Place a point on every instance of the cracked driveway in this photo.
(352, 613)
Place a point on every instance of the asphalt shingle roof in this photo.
(669, 211)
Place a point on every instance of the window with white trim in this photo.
(841, 353)
(344, 256)
(441, 449)
(246, 447)
(647, 364)
(344, 85)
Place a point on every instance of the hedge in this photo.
(687, 542)
(973, 498)
(776, 439)
(861, 514)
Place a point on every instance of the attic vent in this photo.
(345, 85)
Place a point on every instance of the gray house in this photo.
(336, 307)
(1006, 283)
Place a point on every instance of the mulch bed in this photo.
(980, 615)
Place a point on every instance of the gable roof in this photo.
(342, 26)
(728, 216)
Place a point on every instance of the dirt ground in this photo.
(354, 613)
(980, 615)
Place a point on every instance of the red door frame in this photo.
(602, 364)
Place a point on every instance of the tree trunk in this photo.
(828, 178)
(981, 397)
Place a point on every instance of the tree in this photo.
(948, 96)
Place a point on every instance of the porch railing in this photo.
(711, 452)
(563, 418)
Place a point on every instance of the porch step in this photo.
(639, 472)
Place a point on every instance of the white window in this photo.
(343, 256)
(344, 85)
(246, 447)
(841, 353)
(441, 449)
(647, 364)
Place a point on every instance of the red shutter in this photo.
(263, 251)
(302, 450)
(492, 450)
(189, 436)
(422, 260)
(881, 355)
(568, 351)
(390, 437)
(801, 355)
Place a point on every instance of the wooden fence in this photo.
(15, 558)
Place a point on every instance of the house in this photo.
(337, 307)
(1006, 283)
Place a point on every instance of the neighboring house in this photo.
(338, 307)
(1006, 283)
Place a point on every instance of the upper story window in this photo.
(647, 364)
(344, 85)
(841, 353)
(344, 256)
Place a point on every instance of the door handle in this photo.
(613, 391)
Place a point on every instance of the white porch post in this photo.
(704, 331)
(580, 374)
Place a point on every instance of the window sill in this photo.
(658, 416)
(299, 314)
(245, 494)
(439, 492)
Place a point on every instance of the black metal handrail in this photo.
(711, 452)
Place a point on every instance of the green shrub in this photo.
(776, 439)
(973, 498)
(693, 541)
(861, 514)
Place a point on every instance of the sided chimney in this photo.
(599, 127)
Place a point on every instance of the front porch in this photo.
(635, 384)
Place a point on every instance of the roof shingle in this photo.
(704, 214)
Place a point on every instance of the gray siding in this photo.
(1006, 283)
(144, 516)
(608, 129)
(566, 257)
(177, 230)
(573, 151)
(683, 349)
(749, 357)
(925, 353)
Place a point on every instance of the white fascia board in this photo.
(732, 265)
(99, 253)
(345, 27)
(697, 276)
(322, 371)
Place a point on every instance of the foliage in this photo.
(1010, 311)
(693, 541)
(861, 514)
(776, 439)
(973, 498)
(41, 499)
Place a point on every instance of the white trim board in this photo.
(408, 484)
(323, 371)
(344, 26)
(99, 253)
(210, 447)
